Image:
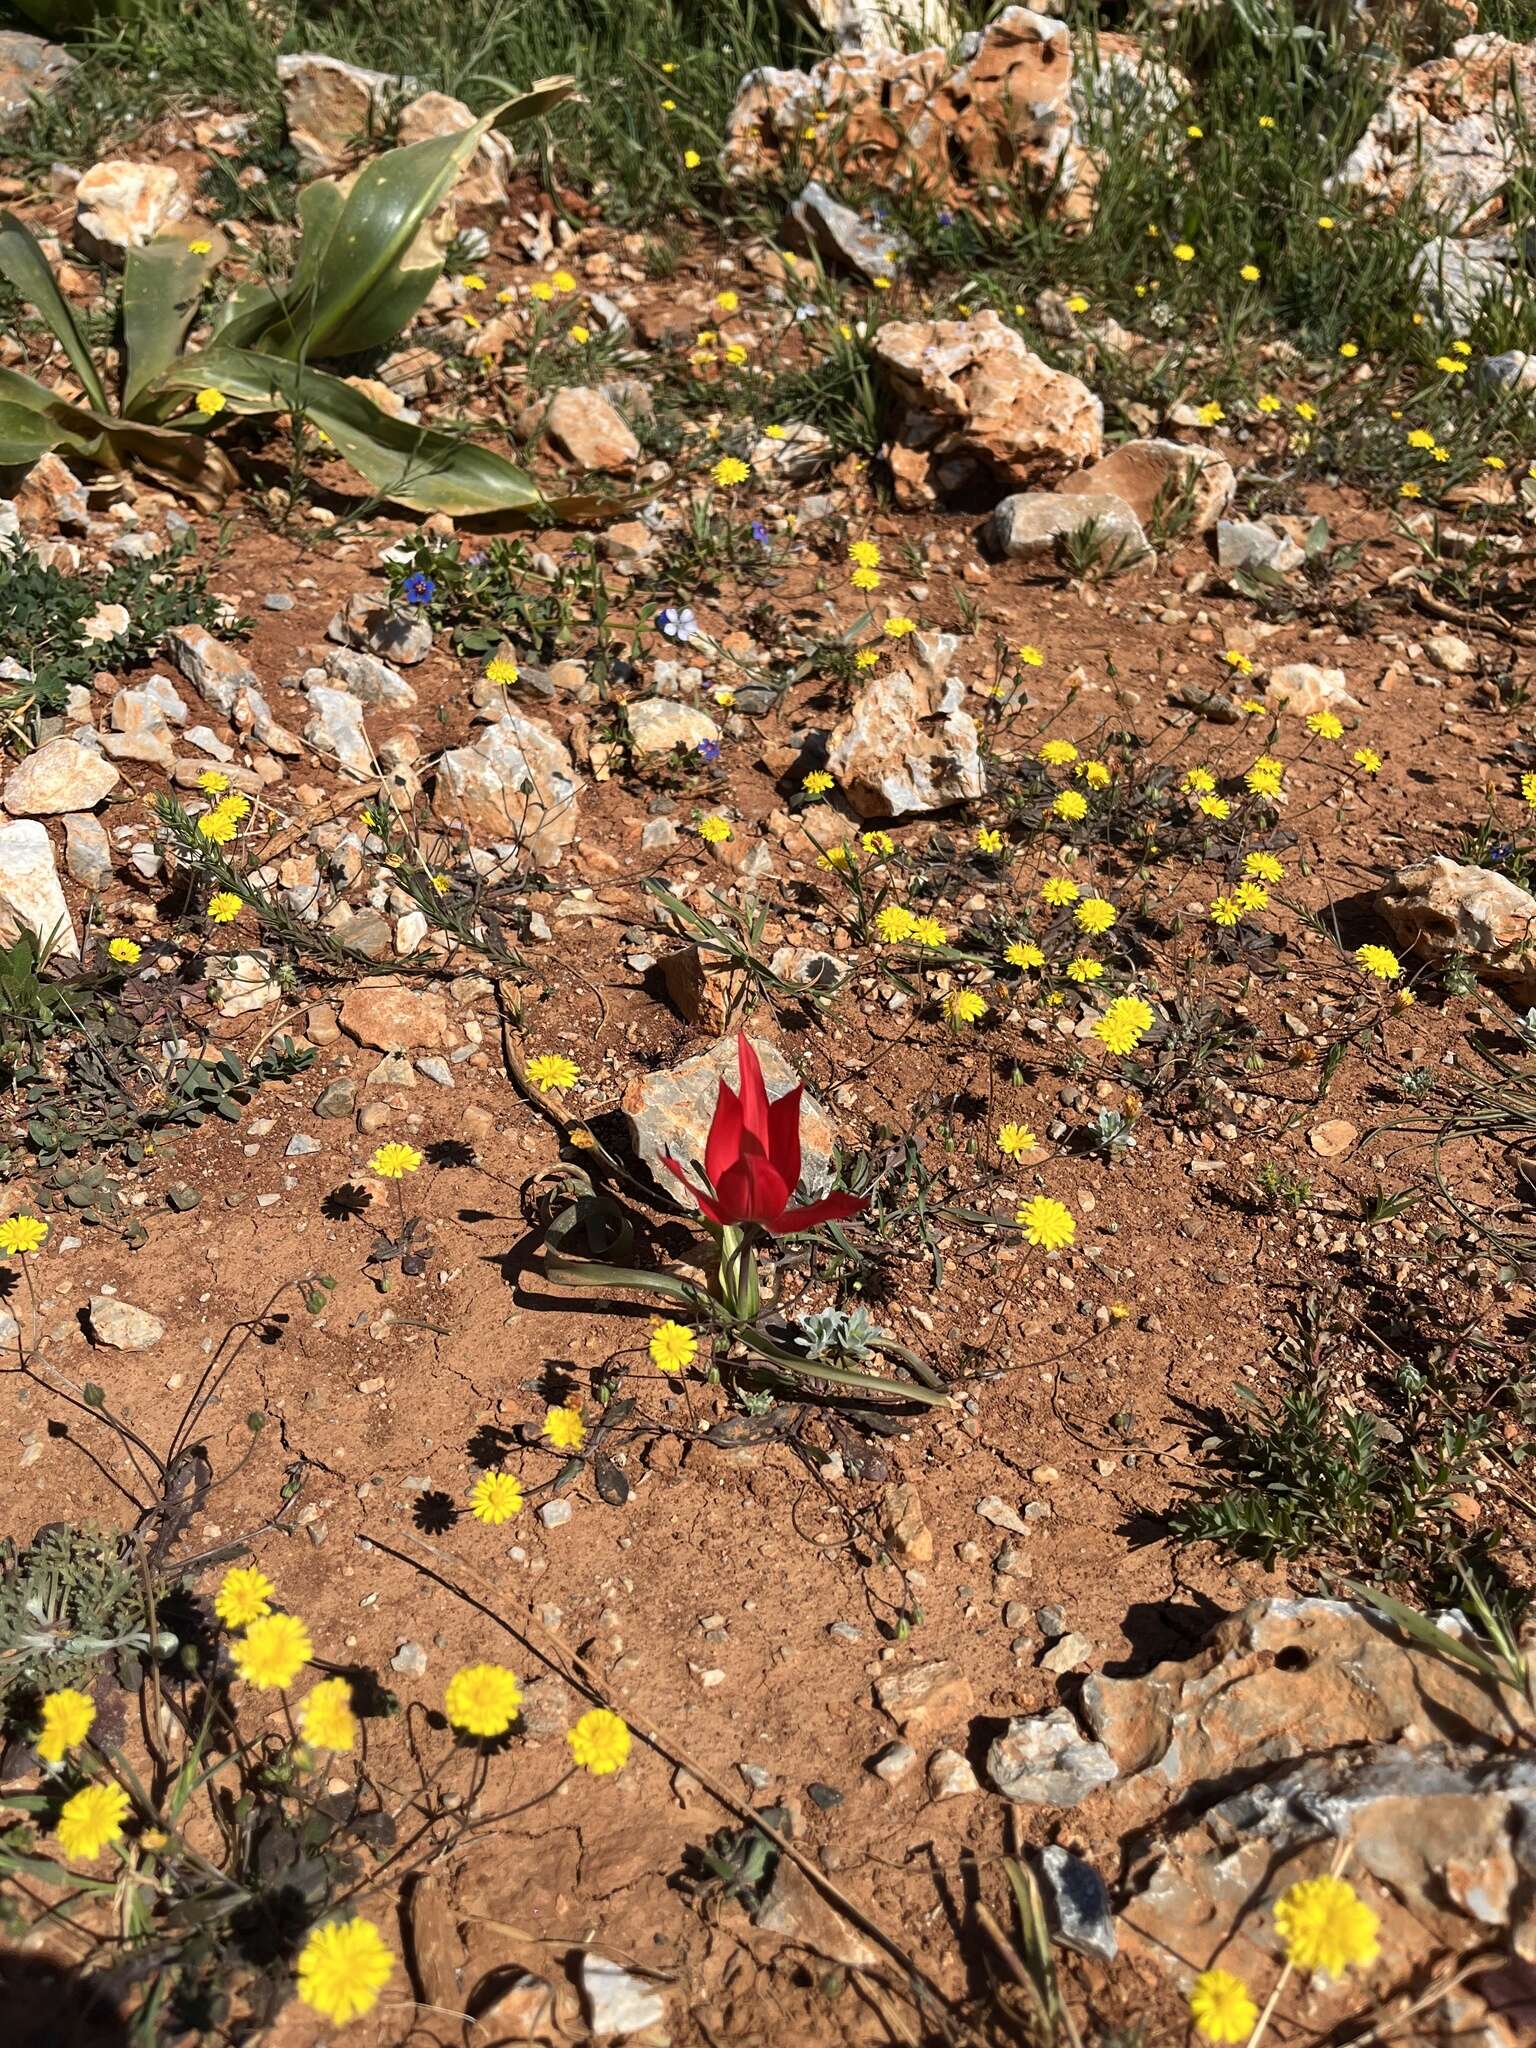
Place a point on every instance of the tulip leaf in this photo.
(562, 1269)
(162, 285)
(23, 263)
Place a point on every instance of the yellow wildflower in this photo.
(1047, 1223)
(67, 1716)
(495, 1498)
(1325, 1925)
(342, 1968)
(673, 1346)
(482, 1699)
(91, 1820)
(599, 1742)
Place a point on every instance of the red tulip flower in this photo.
(752, 1160)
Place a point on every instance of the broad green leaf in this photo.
(543, 95)
(259, 316)
(162, 285)
(321, 206)
(246, 314)
(187, 461)
(366, 264)
(359, 279)
(417, 466)
(25, 434)
(25, 265)
(72, 426)
(19, 389)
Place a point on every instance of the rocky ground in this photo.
(614, 790)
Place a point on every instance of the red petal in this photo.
(752, 1192)
(784, 1136)
(723, 1145)
(830, 1209)
(707, 1203)
(754, 1096)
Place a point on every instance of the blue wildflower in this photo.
(677, 621)
(761, 534)
(709, 752)
(418, 589)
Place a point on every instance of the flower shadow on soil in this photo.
(48, 2005)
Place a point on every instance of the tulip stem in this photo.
(736, 1276)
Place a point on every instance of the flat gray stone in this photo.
(1161, 480)
(950, 1776)
(87, 849)
(31, 897)
(994, 1509)
(61, 776)
(30, 69)
(907, 744)
(367, 932)
(122, 1327)
(400, 637)
(671, 1112)
(1512, 371)
(517, 782)
(370, 680)
(1250, 544)
(894, 1762)
(1077, 1903)
(658, 724)
(1046, 1760)
(1454, 275)
(819, 225)
(335, 728)
(1031, 526)
(618, 2003)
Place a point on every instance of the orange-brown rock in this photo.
(1440, 907)
(1166, 485)
(1448, 135)
(997, 126)
(979, 406)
